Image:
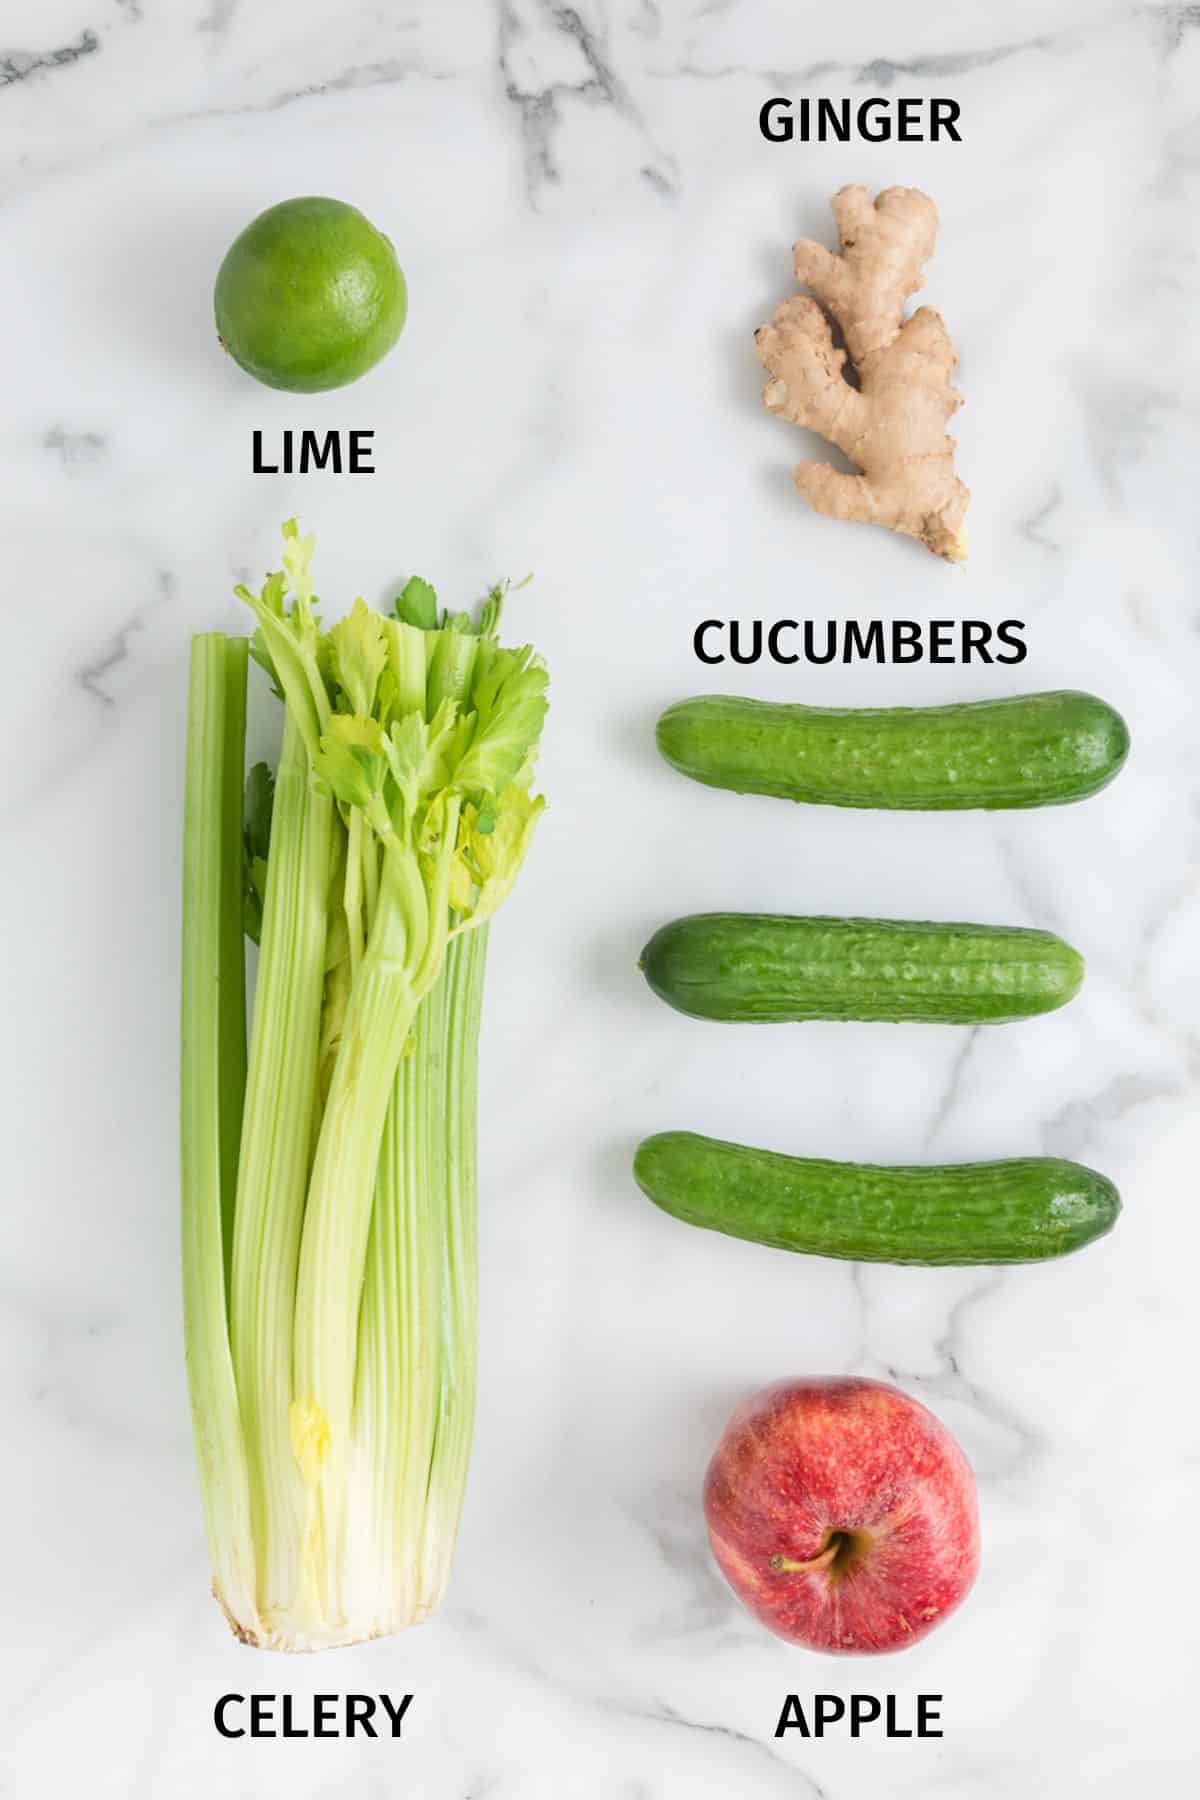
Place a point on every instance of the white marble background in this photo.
(591, 227)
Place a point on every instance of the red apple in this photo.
(842, 1514)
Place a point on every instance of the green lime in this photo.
(310, 296)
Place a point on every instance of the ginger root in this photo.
(892, 425)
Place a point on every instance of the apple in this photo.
(843, 1514)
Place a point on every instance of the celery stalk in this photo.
(399, 1354)
(212, 994)
(465, 967)
(233, 947)
(332, 1265)
(274, 1168)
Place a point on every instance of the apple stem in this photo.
(786, 1565)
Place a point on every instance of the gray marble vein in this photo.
(762, 1750)
(877, 72)
(647, 20)
(1007, 1444)
(883, 72)
(1073, 1130)
(20, 65)
(219, 17)
(1174, 23)
(91, 675)
(621, 1706)
(949, 1096)
(532, 33)
(76, 449)
(1034, 527)
(1028, 883)
(359, 78)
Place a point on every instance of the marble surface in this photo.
(591, 226)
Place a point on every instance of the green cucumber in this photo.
(1034, 750)
(1025, 1210)
(757, 966)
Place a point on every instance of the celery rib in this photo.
(232, 1072)
(466, 964)
(276, 1139)
(212, 981)
(333, 1254)
(399, 1353)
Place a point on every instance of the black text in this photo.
(323, 1716)
(878, 120)
(859, 1711)
(306, 451)
(820, 641)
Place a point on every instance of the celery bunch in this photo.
(329, 1238)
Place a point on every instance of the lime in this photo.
(309, 296)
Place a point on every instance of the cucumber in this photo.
(1034, 750)
(757, 966)
(1025, 1210)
